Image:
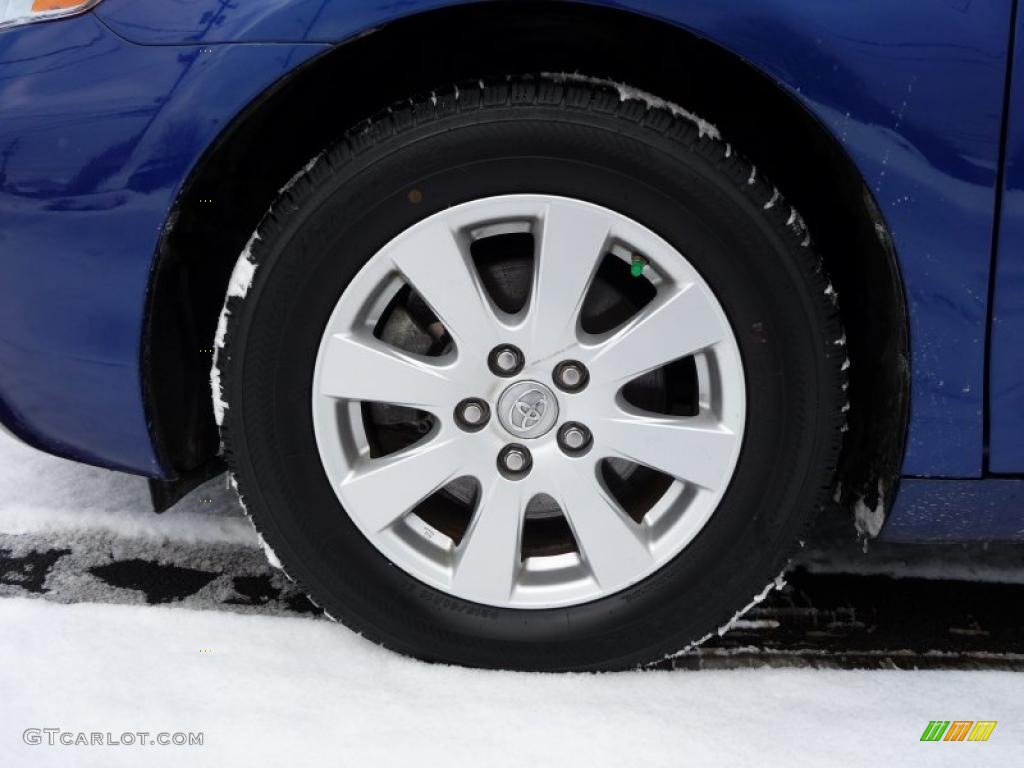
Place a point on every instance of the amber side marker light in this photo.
(16, 12)
(57, 5)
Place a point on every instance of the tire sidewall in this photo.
(318, 238)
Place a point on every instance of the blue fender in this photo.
(914, 90)
(106, 131)
(97, 136)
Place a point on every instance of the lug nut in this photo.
(515, 460)
(574, 438)
(505, 360)
(472, 413)
(571, 376)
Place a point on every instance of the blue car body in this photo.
(105, 115)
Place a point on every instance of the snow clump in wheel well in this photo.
(629, 93)
(238, 286)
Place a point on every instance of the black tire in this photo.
(575, 139)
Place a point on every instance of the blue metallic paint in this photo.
(1006, 372)
(254, 21)
(917, 105)
(105, 131)
(956, 510)
(96, 137)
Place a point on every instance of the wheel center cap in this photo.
(527, 409)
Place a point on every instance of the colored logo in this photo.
(958, 730)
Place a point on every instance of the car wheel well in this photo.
(232, 186)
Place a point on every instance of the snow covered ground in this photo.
(294, 692)
(290, 690)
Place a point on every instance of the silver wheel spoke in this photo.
(694, 450)
(680, 323)
(610, 543)
(366, 369)
(436, 265)
(572, 242)
(380, 491)
(487, 560)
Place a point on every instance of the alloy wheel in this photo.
(525, 416)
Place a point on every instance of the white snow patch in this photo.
(771, 203)
(43, 494)
(299, 174)
(222, 329)
(629, 93)
(755, 624)
(244, 271)
(291, 691)
(217, 393)
(830, 291)
(271, 556)
(172, 526)
(868, 520)
(238, 287)
(777, 583)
